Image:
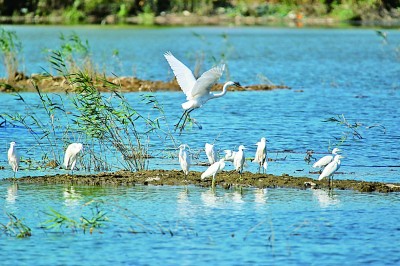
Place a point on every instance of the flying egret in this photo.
(324, 161)
(239, 159)
(229, 155)
(211, 153)
(71, 155)
(331, 169)
(261, 155)
(213, 170)
(197, 91)
(13, 158)
(184, 158)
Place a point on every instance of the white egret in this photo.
(331, 169)
(184, 158)
(213, 170)
(71, 155)
(197, 91)
(324, 161)
(239, 159)
(13, 158)
(229, 155)
(211, 153)
(261, 155)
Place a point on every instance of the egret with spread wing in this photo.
(197, 91)
(13, 158)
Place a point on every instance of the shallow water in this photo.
(330, 71)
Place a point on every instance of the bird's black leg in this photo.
(185, 120)
(184, 114)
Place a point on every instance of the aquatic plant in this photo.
(15, 227)
(10, 48)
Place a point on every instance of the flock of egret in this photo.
(197, 93)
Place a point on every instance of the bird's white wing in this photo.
(323, 161)
(329, 170)
(206, 81)
(68, 155)
(183, 74)
(184, 160)
(211, 170)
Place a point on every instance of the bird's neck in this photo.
(224, 90)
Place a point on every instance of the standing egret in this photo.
(229, 155)
(211, 153)
(213, 170)
(13, 158)
(331, 169)
(239, 159)
(184, 158)
(71, 155)
(324, 161)
(197, 91)
(261, 155)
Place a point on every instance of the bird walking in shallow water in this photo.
(239, 160)
(261, 155)
(331, 169)
(324, 161)
(213, 170)
(211, 153)
(13, 158)
(71, 155)
(197, 91)
(184, 158)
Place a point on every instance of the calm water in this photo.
(331, 72)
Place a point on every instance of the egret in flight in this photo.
(324, 161)
(197, 91)
(184, 158)
(331, 169)
(239, 159)
(213, 170)
(71, 154)
(211, 153)
(261, 155)
(13, 158)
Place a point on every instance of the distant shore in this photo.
(225, 179)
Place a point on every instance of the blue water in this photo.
(331, 72)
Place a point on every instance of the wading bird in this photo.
(261, 155)
(324, 161)
(71, 155)
(331, 169)
(239, 160)
(197, 91)
(184, 158)
(13, 158)
(229, 155)
(213, 170)
(211, 153)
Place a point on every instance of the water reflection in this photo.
(71, 197)
(325, 198)
(12, 193)
(260, 195)
(209, 198)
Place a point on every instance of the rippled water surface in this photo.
(330, 72)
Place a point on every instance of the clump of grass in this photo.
(15, 227)
(10, 48)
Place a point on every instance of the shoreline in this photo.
(225, 179)
(126, 84)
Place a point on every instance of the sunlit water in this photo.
(331, 72)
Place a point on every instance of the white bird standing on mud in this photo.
(213, 170)
(197, 91)
(261, 155)
(71, 155)
(324, 161)
(239, 159)
(331, 169)
(184, 158)
(211, 153)
(13, 158)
